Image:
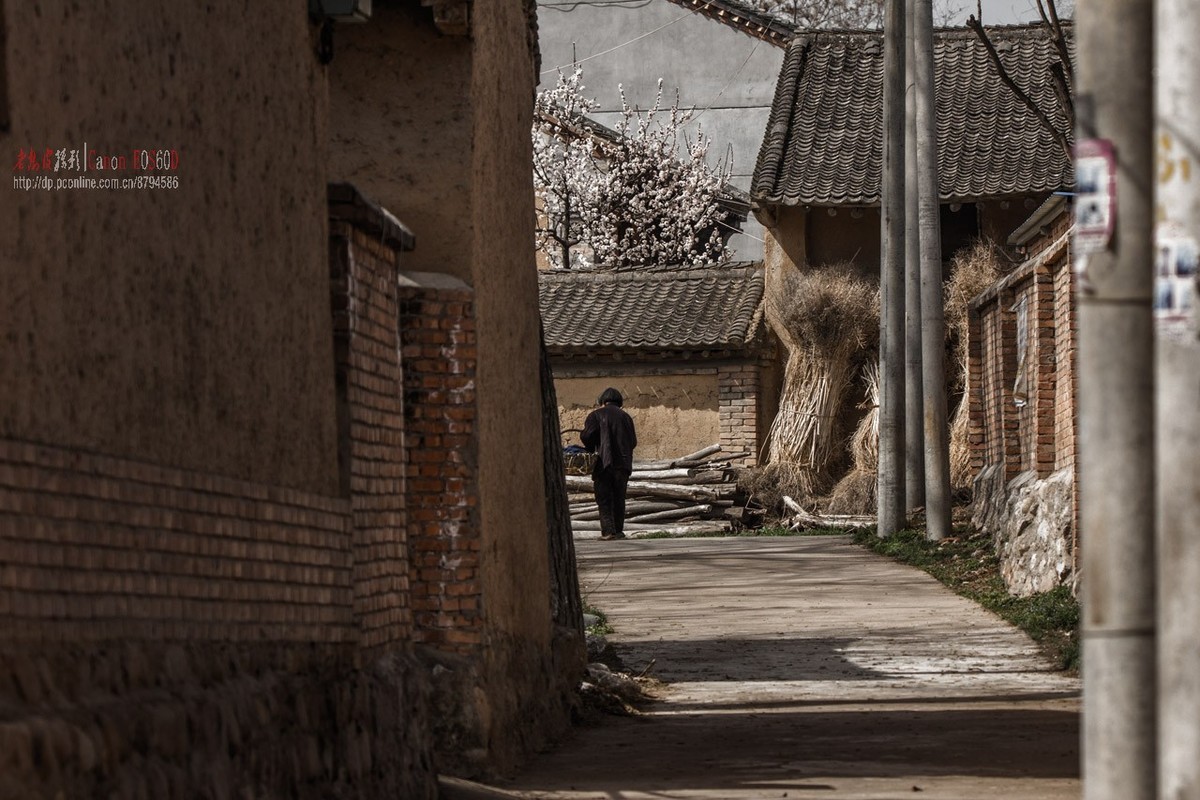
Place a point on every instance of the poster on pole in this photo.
(1096, 195)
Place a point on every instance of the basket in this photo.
(576, 460)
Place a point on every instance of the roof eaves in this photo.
(743, 18)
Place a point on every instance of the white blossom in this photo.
(636, 198)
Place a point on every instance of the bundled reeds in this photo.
(855, 492)
(828, 318)
(973, 269)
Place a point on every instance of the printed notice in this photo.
(1096, 201)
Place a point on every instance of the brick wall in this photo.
(1021, 390)
(171, 633)
(739, 399)
(102, 548)
(1020, 370)
(438, 333)
(364, 252)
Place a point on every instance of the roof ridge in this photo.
(655, 272)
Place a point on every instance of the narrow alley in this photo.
(809, 667)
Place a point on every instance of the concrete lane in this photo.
(809, 667)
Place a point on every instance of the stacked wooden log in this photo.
(692, 495)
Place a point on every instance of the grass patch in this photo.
(768, 530)
(601, 628)
(967, 564)
(780, 530)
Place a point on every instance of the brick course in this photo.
(363, 275)
(241, 637)
(98, 547)
(1040, 436)
(437, 329)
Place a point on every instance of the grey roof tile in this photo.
(823, 144)
(652, 308)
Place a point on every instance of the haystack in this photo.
(855, 493)
(973, 269)
(828, 319)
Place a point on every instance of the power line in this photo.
(737, 72)
(618, 47)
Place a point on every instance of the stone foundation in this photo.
(150, 721)
(1030, 521)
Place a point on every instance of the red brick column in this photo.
(1041, 321)
(364, 247)
(738, 395)
(976, 409)
(1007, 362)
(438, 332)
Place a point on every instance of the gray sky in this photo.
(1003, 12)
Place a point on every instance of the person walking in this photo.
(608, 432)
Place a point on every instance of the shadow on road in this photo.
(741, 750)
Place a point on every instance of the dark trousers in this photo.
(610, 485)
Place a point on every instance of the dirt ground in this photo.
(807, 667)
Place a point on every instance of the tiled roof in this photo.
(652, 308)
(824, 138)
(744, 18)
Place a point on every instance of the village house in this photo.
(718, 57)
(271, 520)
(817, 183)
(816, 186)
(688, 347)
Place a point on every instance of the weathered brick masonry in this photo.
(172, 633)
(1021, 388)
(365, 245)
(438, 333)
(739, 393)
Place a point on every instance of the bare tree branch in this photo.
(1059, 136)
(1053, 23)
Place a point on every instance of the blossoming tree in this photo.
(640, 194)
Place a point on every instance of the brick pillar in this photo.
(1009, 413)
(976, 414)
(1041, 321)
(738, 392)
(364, 250)
(438, 334)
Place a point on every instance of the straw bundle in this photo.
(972, 270)
(828, 318)
(855, 493)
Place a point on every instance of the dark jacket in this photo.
(608, 432)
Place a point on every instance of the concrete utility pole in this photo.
(933, 310)
(1178, 204)
(1116, 397)
(891, 279)
(914, 400)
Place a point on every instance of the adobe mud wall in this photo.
(135, 323)
(675, 413)
(149, 720)
(436, 128)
